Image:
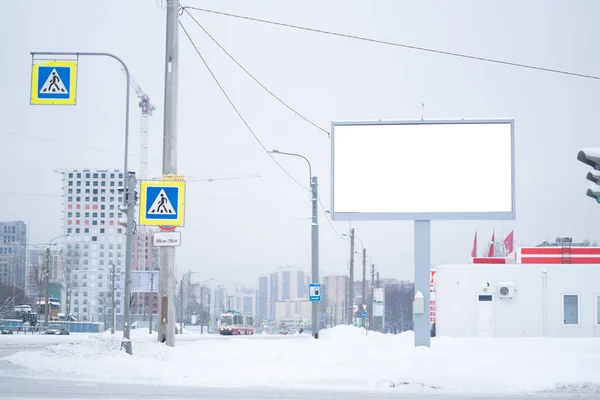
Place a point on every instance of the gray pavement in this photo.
(12, 387)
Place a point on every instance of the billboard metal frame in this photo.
(428, 216)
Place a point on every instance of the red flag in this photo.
(491, 252)
(474, 251)
(509, 242)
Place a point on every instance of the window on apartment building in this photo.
(70, 198)
(102, 207)
(78, 198)
(94, 238)
(103, 175)
(69, 230)
(120, 177)
(77, 230)
(70, 183)
(78, 183)
(95, 176)
(70, 191)
(103, 183)
(87, 183)
(570, 309)
(78, 191)
(101, 230)
(87, 175)
(70, 175)
(95, 183)
(95, 191)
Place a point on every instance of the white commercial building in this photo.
(518, 300)
(296, 310)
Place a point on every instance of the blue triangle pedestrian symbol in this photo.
(161, 205)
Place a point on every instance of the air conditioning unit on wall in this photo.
(506, 290)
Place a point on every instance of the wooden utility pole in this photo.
(112, 317)
(151, 301)
(351, 283)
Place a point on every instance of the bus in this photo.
(236, 323)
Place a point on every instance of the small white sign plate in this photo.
(167, 239)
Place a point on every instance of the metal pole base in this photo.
(126, 344)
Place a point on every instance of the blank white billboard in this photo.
(142, 281)
(429, 170)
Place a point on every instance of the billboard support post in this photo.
(422, 266)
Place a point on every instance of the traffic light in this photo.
(591, 157)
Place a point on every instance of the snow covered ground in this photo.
(344, 357)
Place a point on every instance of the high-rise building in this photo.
(219, 301)
(13, 254)
(91, 218)
(145, 258)
(35, 273)
(287, 283)
(336, 298)
(262, 298)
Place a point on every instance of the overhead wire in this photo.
(395, 44)
(236, 109)
(63, 142)
(269, 91)
(253, 77)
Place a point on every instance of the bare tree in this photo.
(10, 296)
(398, 307)
(71, 263)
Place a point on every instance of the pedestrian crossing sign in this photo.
(54, 82)
(162, 203)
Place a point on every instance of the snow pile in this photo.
(343, 357)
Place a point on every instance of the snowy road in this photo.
(13, 388)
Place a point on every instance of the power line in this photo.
(236, 109)
(62, 142)
(254, 78)
(329, 220)
(32, 194)
(388, 43)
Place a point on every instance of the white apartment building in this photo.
(90, 217)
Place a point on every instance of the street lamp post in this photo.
(129, 200)
(314, 238)
(46, 305)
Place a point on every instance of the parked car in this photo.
(4, 330)
(56, 330)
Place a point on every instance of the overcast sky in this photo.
(237, 229)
